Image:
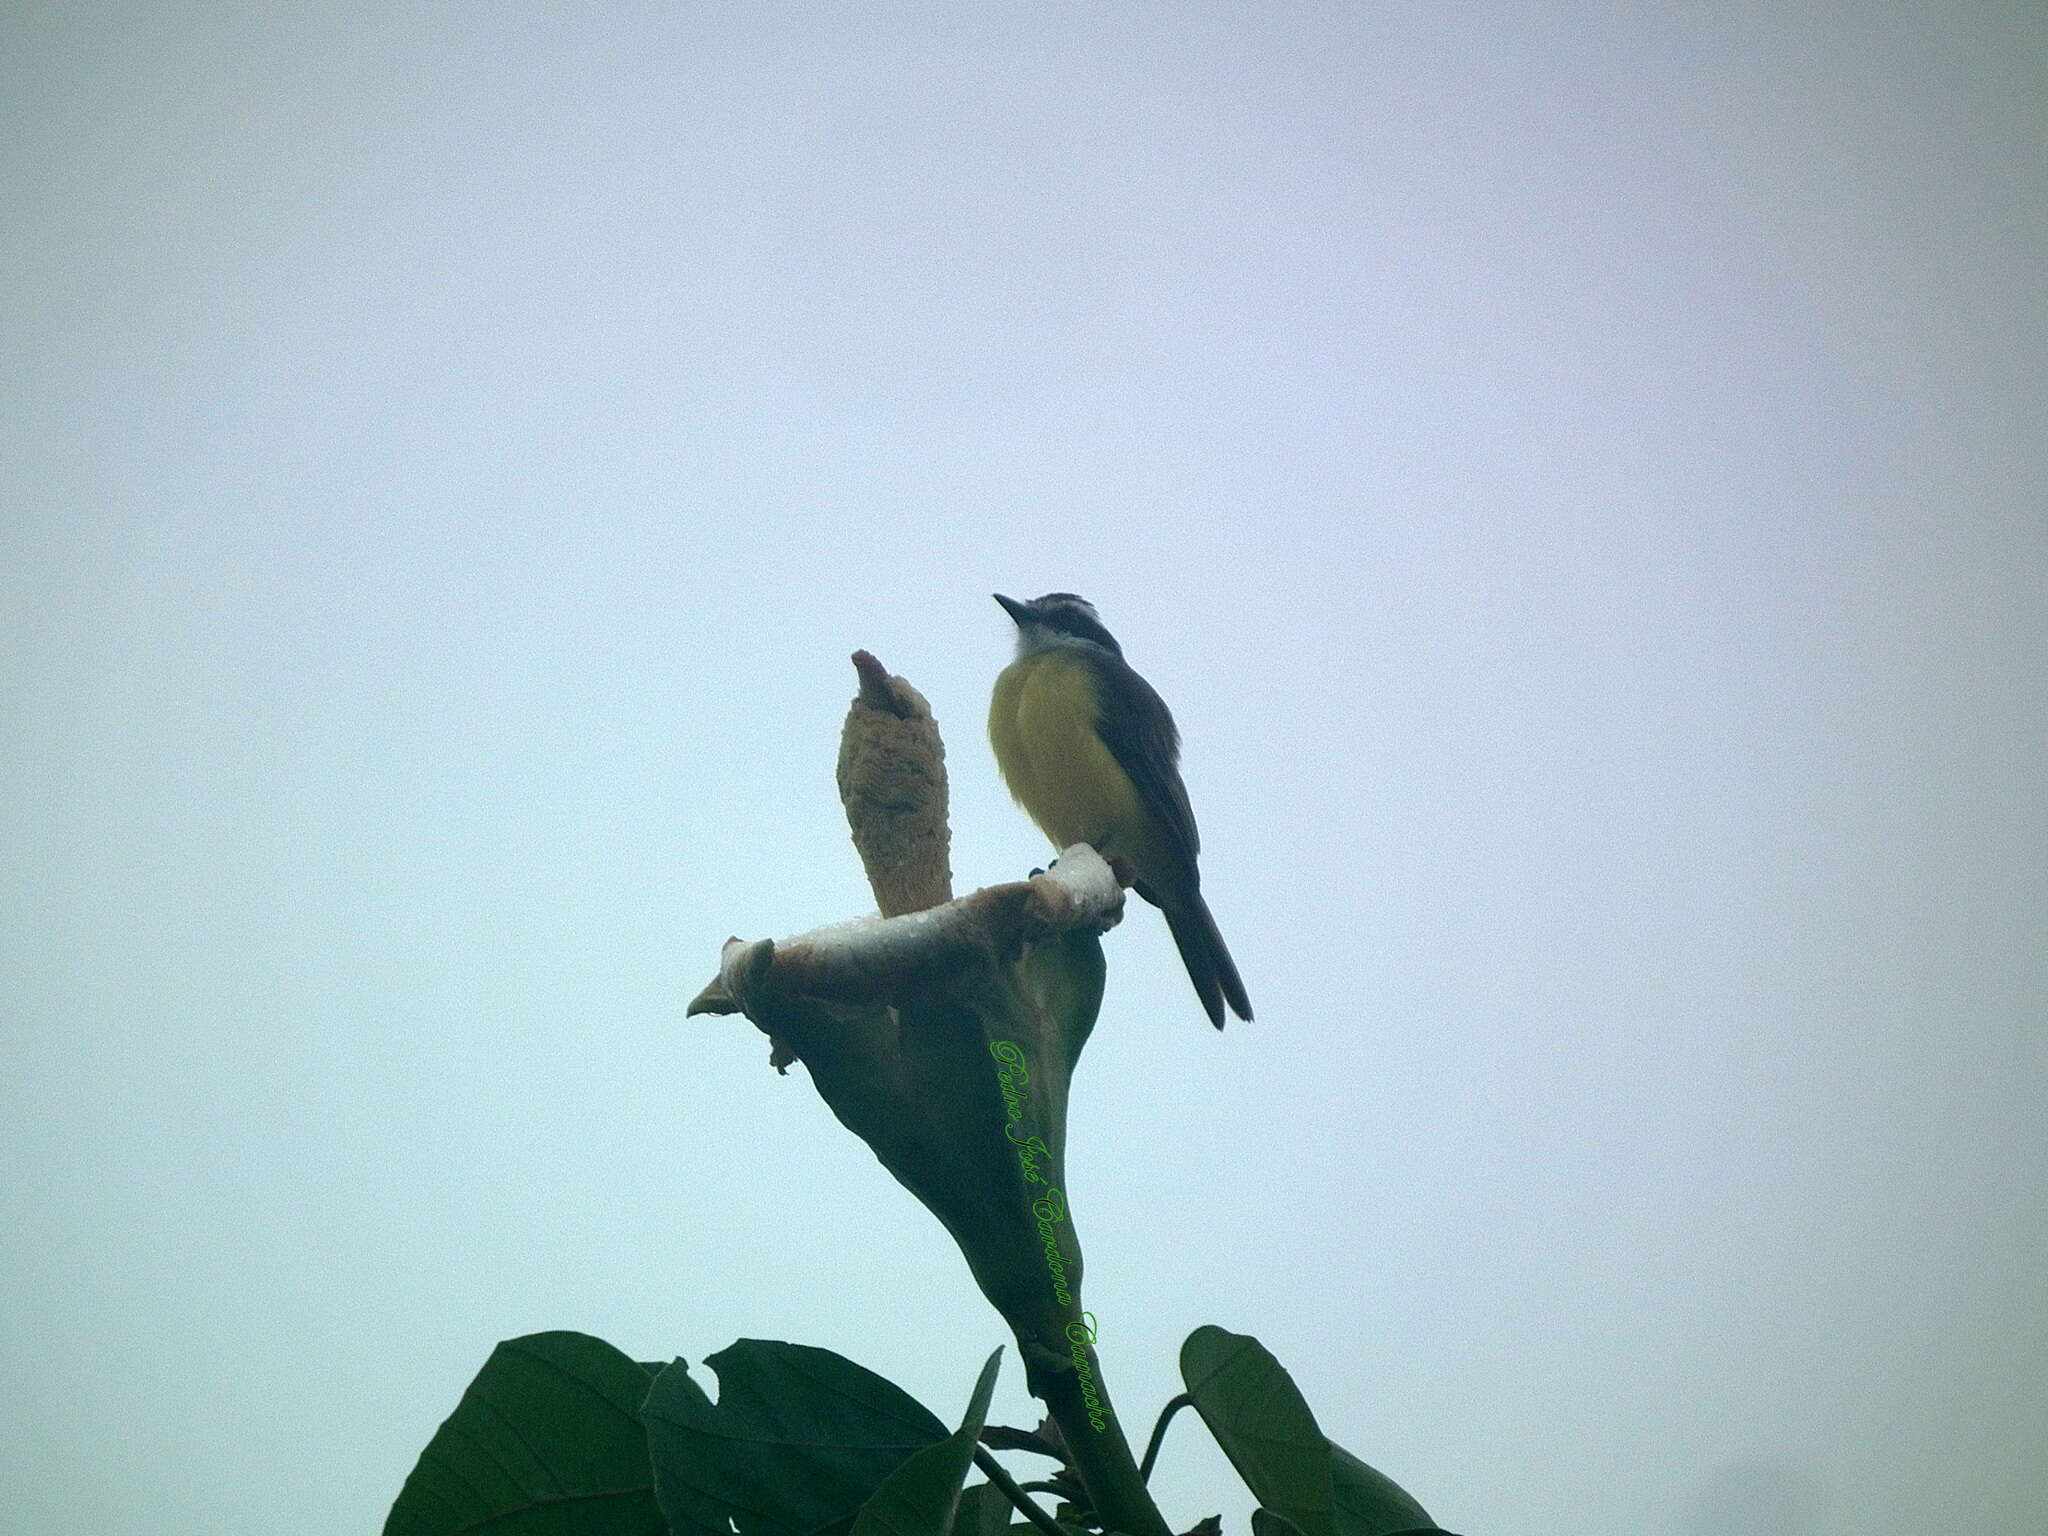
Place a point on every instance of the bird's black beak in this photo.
(1012, 607)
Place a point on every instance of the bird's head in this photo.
(1058, 618)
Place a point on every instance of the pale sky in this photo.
(1576, 472)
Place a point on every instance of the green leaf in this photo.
(1266, 1523)
(798, 1440)
(985, 1510)
(1370, 1503)
(546, 1442)
(919, 1497)
(691, 1511)
(1264, 1425)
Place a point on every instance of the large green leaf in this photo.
(546, 1442)
(1264, 1425)
(798, 1440)
(919, 1497)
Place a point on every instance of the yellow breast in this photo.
(1042, 726)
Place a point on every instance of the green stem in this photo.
(1101, 1456)
(1159, 1433)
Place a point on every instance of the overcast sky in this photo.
(1575, 470)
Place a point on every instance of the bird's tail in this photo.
(1208, 961)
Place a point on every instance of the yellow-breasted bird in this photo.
(1090, 750)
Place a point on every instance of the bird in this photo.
(1090, 751)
